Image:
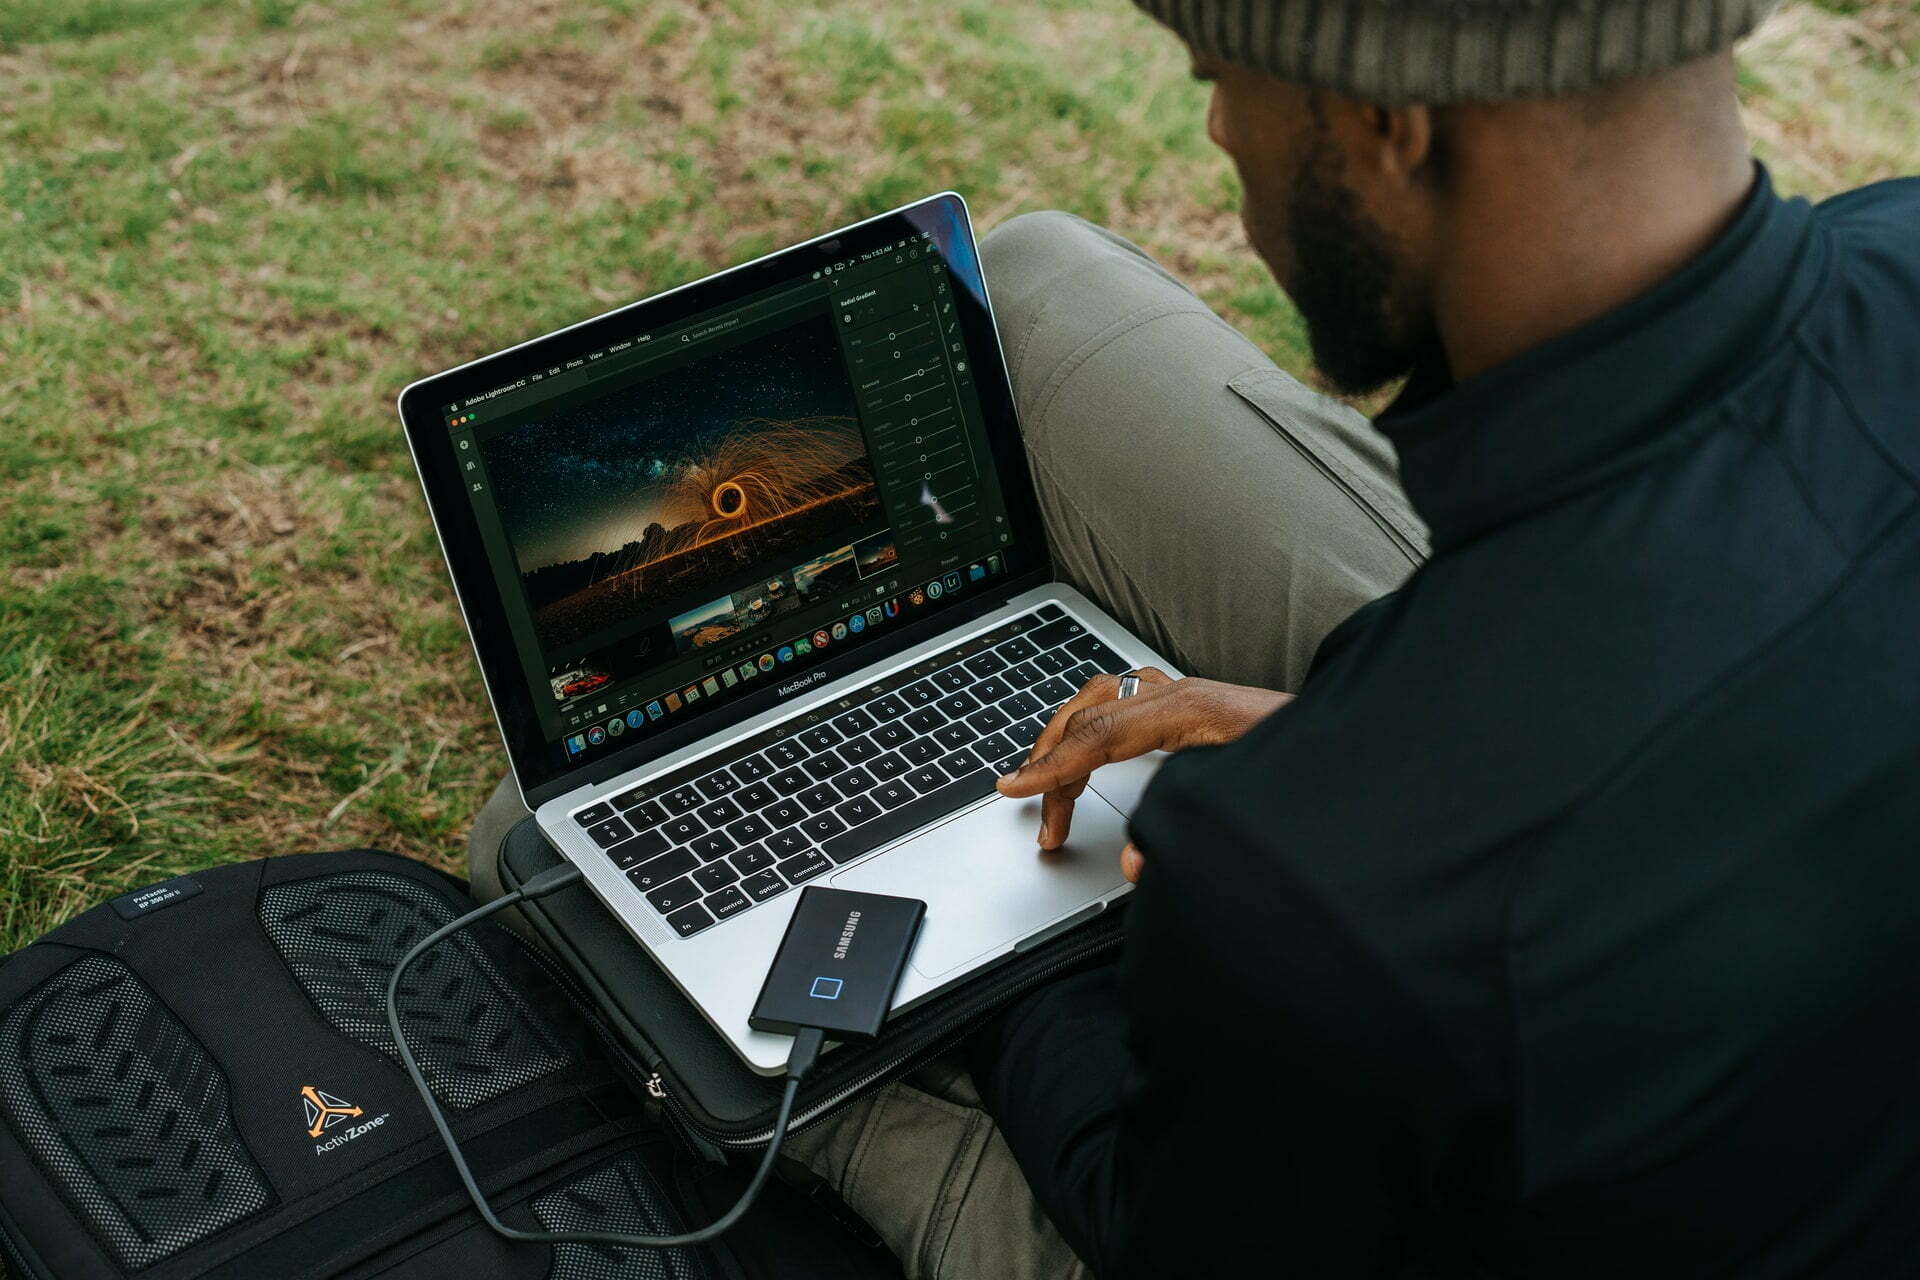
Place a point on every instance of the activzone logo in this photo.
(326, 1113)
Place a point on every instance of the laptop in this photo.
(755, 575)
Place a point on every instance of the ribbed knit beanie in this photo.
(1441, 51)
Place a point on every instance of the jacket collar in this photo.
(1565, 414)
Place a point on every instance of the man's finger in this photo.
(1081, 739)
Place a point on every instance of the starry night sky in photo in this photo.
(589, 478)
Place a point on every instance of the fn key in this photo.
(689, 920)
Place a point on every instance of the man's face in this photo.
(1329, 243)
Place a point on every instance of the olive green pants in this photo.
(1229, 516)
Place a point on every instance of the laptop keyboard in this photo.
(748, 823)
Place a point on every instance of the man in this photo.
(1562, 924)
(1565, 923)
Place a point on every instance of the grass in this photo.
(229, 233)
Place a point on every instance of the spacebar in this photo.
(912, 815)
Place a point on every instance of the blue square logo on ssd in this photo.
(825, 989)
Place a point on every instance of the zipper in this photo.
(819, 1111)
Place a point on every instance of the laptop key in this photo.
(710, 846)
(752, 769)
(991, 690)
(820, 737)
(993, 746)
(610, 833)
(959, 764)
(752, 858)
(641, 814)
(663, 869)
(814, 799)
(1056, 633)
(788, 781)
(906, 816)
(783, 814)
(857, 750)
(750, 828)
(1054, 661)
(767, 884)
(921, 694)
(805, 867)
(717, 784)
(728, 901)
(719, 813)
(921, 750)
(824, 765)
(925, 720)
(1092, 649)
(888, 706)
(890, 765)
(951, 678)
(681, 799)
(646, 845)
(892, 735)
(858, 810)
(784, 844)
(957, 704)
(823, 826)
(690, 920)
(757, 796)
(988, 719)
(853, 722)
(715, 875)
(891, 795)
(1007, 764)
(593, 815)
(1055, 691)
(1023, 732)
(786, 754)
(853, 782)
(927, 778)
(1024, 675)
(953, 736)
(1079, 676)
(985, 664)
(682, 829)
(1021, 705)
(1018, 649)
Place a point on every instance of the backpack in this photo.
(197, 1080)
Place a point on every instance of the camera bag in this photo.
(197, 1080)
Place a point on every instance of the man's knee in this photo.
(1026, 260)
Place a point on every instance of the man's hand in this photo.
(1094, 727)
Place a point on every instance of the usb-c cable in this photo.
(807, 1042)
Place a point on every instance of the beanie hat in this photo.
(1439, 51)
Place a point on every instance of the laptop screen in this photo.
(700, 508)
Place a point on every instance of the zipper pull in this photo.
(654, 1087)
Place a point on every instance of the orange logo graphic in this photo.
(324, 1110)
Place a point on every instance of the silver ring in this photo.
(1129, 685)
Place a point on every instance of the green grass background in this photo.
(230, 232)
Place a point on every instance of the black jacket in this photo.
(1568, 924)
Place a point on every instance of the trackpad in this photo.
(987, 884)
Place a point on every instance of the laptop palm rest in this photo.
(987, 884)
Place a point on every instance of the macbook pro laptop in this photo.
(757, 583)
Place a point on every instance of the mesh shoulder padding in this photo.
(341, 935)
(623, 1197)
(126, 1111)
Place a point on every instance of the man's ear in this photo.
(1403, 139)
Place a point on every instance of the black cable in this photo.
(806, 1048)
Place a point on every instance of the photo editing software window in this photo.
(690, 514)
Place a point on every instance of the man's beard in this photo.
(1342, 283)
